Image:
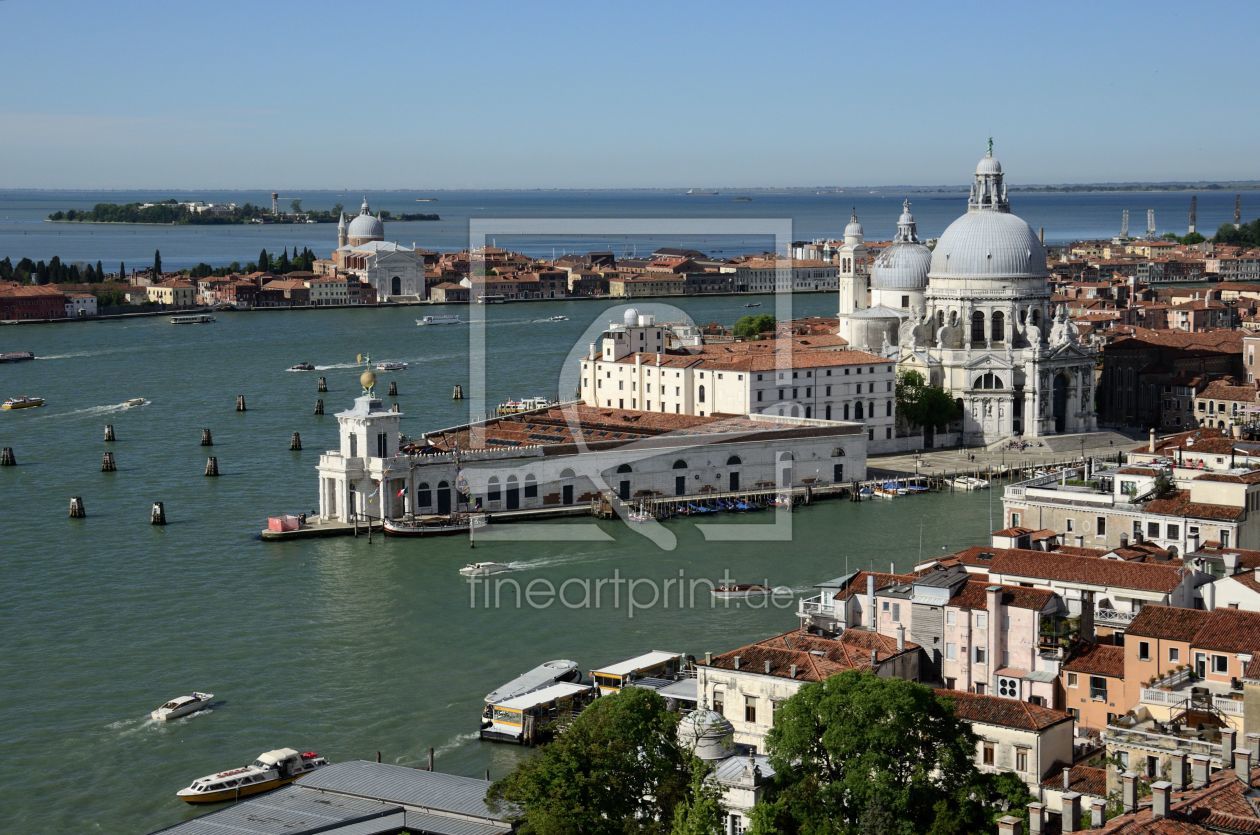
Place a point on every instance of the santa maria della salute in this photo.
(973, 316)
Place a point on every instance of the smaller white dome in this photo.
(630, 317)
(902, 266)
(854, 228)
(988, 165)
(707, 733)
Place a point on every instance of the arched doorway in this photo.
(733, 482)
(513, 493)
(1060, 402)
(566, 487)
(395, 286)
(680, 478)
(443, 498)
(623, 484)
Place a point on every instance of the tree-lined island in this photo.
(194, 213)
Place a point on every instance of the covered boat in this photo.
(435, 525)
(271, 770)
(544, 675)
(182, 706)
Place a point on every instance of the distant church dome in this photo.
(853, 229)
(988, 242)
(708, 734)
(365, 227)
(905, 263)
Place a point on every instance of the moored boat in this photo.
(271, 770)
(529, 404)
(182, 706)
(544, 675)
(966, 482)
(435, 525)
(483, 569)
(532, 717)
(23, 402)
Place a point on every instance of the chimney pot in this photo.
(1151, 448)
(901, 638)
(1129, 792)
(1229, 739)
(1097, 813)
(736, 659)
(793, 671)
(1242, 764)
(1253, 745)
(1177, 764)
(767, 668)
(1067, 778)
(1161, 794)
(1036, 818)
(874, 659)
(1071, 814)
(1010, 825)
(708, 659)
(871, 617)
(1200, 768)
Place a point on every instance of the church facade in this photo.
(973, 316)
(395, 271)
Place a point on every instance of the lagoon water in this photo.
(1065, 216)
(337, 645)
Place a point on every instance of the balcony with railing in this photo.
(1114, 618)
(1182, 691)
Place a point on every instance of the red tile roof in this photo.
(815, 658)
(1222, 630)
(1006, 713)
(1062, 567)
(1225, 804)
(1085, 779)
(974, 595)
(1098, 660)
(1179, 504)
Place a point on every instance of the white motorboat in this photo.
(553, 319)
(134, 402)
(544, 675)
(302, 366)
(734, 591)
(966, 482)
(182, 706)
(435, 525)
(529, 404)
(483, 569)
(440, 319)
(271, 770)
(391, 366)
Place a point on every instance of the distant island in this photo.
(193, 213)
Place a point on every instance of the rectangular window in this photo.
(1174, 655)
(980, 655)
(987, 756)
(750, 709)
(1220, 663)
(1021, 759)
(951, 652)
(1071, 525)
(979, 688)
(719, 703)
(1071, 679)
(1152, 529)
(1014, 520)
(1144, 651)
(896, 611)
(531, 487)
(982, 620)
(1098, 688)
(1101, 526)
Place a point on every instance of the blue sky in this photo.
(508, 95)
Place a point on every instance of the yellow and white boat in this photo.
(22, 403)
(271, 770)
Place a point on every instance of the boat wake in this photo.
(457, 741)
(547, 562)
(338, 365)
(102, 410)
(71, 356)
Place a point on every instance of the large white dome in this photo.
(988, 244)
(366, 226)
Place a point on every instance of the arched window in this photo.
(733, 461)
(1035, 316)
(940, 318)
(828, 411)
(492, 489)
(953, 318)
(624, 468)
(998, 331)
(857, 410)
(680, 464)
(988, 380)
(977, 326)
(846, 411)
(700, 395)
(424, 496)
(531, 486)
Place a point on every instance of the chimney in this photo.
(1161, 793)
(874, 659)
(736, 659)
(871, 620)
(1200, 768)
(1231, 564)
(1151, 448)
(1177, 765)
(1036, 818)
(1129, 791)
(1253, 745)
(1192, 543)
(767, 667)
(1124, 540)
(1242, 765)
(1097, 813)
(1067, 778)
(708, 659)
(1010, 825)
(1071, 814)
(793, 671)
(901, 638)
(1229, 738)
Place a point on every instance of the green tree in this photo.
(296, 206)
(122, 271)
(700, 812)
(749, 327)
(924, 405)
(617, 769)
(860, 753)
(157, 264)
(264, 262)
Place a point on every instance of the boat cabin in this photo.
(656, 664)
(526, 719)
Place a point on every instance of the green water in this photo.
(334, 645)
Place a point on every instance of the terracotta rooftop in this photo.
(1226, 390)
(1223, 630)
(974, 595)
(857, 585)
(1098, 660)
(1085, 779)
(1007, 713)
(815, 658)
(1066, 567)
(1225, 804)
(810, 351)
(1179, 504)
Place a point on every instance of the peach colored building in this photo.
(1093, 685)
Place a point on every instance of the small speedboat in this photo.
(753, 304)
(966, 482)
(555, 319)
(134, 402)
(302, 366)
(734, 591)
(182, 706)
(271, 770)
(483, 569)
(391, 366)
(23, 402)
(440, 319)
